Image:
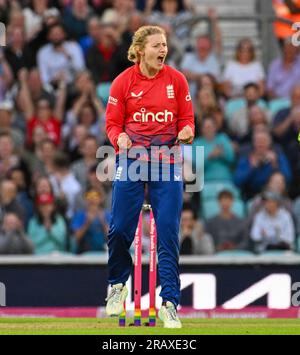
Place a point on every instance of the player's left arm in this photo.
(186, 120)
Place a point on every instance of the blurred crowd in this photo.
(55, 73)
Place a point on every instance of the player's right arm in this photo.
(115, 115)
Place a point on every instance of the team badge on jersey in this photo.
(170, 92)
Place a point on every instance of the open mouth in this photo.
(161, 59)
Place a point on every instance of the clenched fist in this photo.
(124, 141)
(186, 135)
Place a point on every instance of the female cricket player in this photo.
(149, 105)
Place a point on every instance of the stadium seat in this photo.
(298, 243)
(278, 104)
(249, 205)
(210, 208)
(212, 189)
(103, 92)
(234, 105)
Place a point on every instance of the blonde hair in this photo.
(139, 41)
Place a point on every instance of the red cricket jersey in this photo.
(151, 111)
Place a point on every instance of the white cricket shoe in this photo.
(115, 300)
(168, 315)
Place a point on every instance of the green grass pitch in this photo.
(110, 326)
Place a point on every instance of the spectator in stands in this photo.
(255, 168)
(90, 226)
(240, 121)
(206, 103)
(99, 6)
(8, 200)
(107, 58)
(12, 236)
(220, 121)
(286, 122)
(218, 152)
(283, 72)
(82, 86)
(119, 15)
(286, 126)
(244, 69)
(9, 158)
(42, 185)
(273, 226)
(8, 124)
(277, 184)
(46, 118)
(17, 53)
(76, 17)
(41, 160)
(60, 59)
(136, 20)
(100, 177)
(43, 115)
(47, 229)
(87, 111)
(228, 231)
(258, 119)
(38, 136)
(6, 76)
(207, 57)
(79, 133)
(6, 7)
(33, 15)
(31, 84)
(208, 81)
(193, 238)
(64, 183)
(16, 17)
(81, 167)
(93, 26)
(172, 13)
(51, 17)
(23, 197)
(94, 184)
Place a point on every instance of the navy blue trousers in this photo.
(166, 201)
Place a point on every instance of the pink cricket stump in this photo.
(152, 271)
(138, 272)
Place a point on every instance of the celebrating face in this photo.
(154, 53)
